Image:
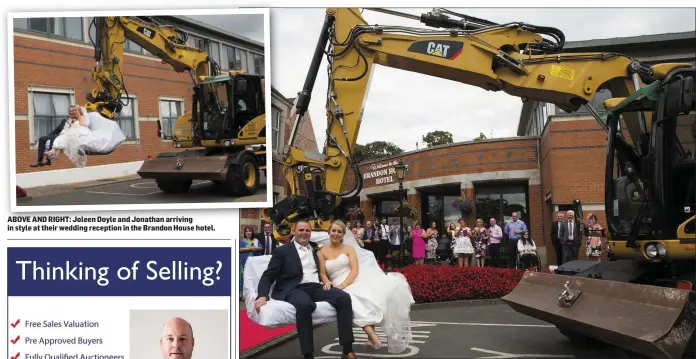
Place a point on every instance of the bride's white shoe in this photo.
(377, 346)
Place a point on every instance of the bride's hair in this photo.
(78, 108)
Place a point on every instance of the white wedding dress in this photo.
(377, 298)
(69, 142)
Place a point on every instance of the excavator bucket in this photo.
(657, 322)
(212, 168)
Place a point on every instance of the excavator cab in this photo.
(223, 108)
(649, 280)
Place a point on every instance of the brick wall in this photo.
(44, 63)
(572, 165)
(577, 157)
(490, 156)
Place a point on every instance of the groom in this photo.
(294, 269)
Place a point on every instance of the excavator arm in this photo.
(163, 41)
(514, 58)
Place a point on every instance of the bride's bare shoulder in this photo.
(348, 249)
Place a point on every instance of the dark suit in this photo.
(571, 247)
(264, 243)
(383, 234)
(285, 269)
(50, 136)
(556, 241)
(372, 247)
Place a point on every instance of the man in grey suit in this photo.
(571, 237)
(396, 235)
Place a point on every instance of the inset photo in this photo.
(153, 109)
(183, 334)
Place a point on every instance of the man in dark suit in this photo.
(384, 243)
(556, 237)
(295, 270)
(368, 238)
(571, 237)
(267, 240)
(51, 136)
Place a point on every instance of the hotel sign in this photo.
(383, 173)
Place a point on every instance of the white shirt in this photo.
(385, 231)
(395, 240)
(571, 230)
(309, 267)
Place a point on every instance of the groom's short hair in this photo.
(303, 221)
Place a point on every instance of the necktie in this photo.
(268, 243)
(559, 229)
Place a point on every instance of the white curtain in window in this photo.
(42, 104)
(165, 115)
(61, 104)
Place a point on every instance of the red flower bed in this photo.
(447, 283)
(21, 192)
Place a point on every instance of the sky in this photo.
(403, 106)
(247, 25)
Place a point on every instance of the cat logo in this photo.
(436, 49)
(443, 49)
(145, 31)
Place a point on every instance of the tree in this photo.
(481, 137)
(375, 150)
(436, 138)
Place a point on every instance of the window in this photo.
(92, 28)
(387, 208)
(49, 110)
(69, 27)
(597, 103)
(170, 110)
(214, 52)
(195, 41)
(537, 120)
(436, 207)
(236, 59)
(128, 45)
(499, 201)
(275, 129)
(126, 118)
(258, 64)
(132, 46)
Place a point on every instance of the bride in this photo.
(68, 141)
(377, 298)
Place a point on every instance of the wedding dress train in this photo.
(378, 299)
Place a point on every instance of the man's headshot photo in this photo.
(179, 334)
(177, 339)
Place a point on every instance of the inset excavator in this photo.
(227, 121)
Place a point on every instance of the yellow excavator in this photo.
(642, 300)
(227, 122)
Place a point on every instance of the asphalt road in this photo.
(471, 331)
(142, 191)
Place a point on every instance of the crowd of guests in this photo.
(479, 245)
